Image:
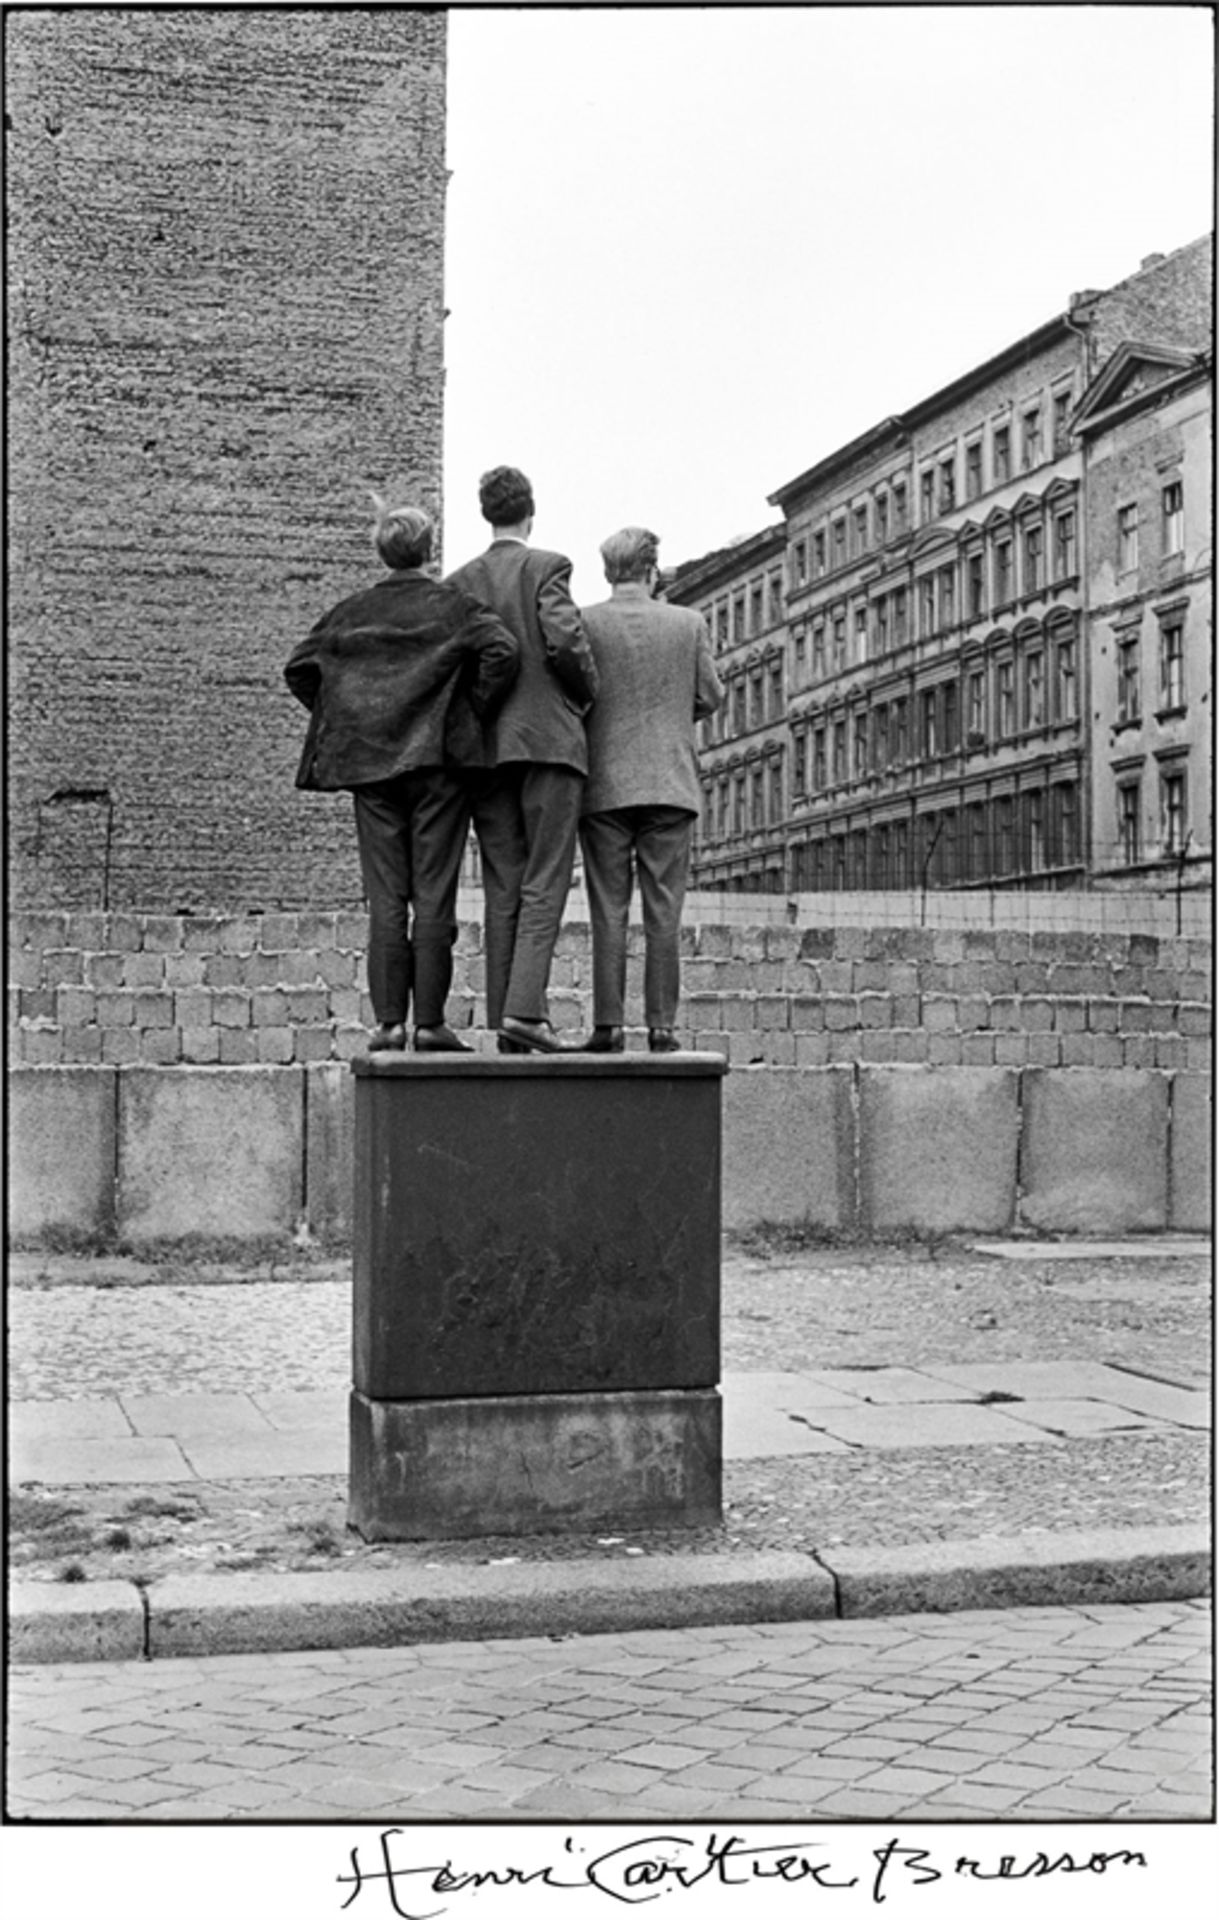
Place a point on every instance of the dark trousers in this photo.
(658, 840)
(525, 816)
(412, 834)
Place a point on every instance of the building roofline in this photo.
(730, 559)
(899, 425)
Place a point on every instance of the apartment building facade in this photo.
(937, 723)
(1145, 431)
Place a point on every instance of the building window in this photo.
(926, 606)
(927, 495)
(948, 485)
(976, 709)
(1129, 700)
(1005, 704)
(776, 689)
(757, 706)
(882, 518)
(840, 543)
(755, 609)
(738, 801)
(738, 617)
(1034, 813)
(1034, 690)
(973, 470)
(1172, 664)
(880, 737)
(1001, 455)
(1127, 538)
(1174, 517)
(882, 622)
(1067, 683)
(776, 792)
(951, 735)
(899, 506)
(975, 586)
(1064, 544)
(800, 656)
(738, 706)
(840, 641)
(757, 800)
(899, 615)
(818, 555)
(800, 763)
(1004, 846)
(776, 599)
(799, 564)
(819, 650)
(927, 740)
(900, 732)
(1033, 555)
(861, 744)
(948, 596)
(1003, 572)
(840, 752)
(1061, 421)
(819, 759)
(861, 529)
(1128, 823)
(1173, 831)
(978, 861)
(1030, 438)
(721, 626)
(1066, 824)
(861, 633)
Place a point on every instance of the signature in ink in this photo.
(641, 1870)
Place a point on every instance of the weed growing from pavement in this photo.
(770, 1238)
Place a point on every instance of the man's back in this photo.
(656, 677)
(543, 716)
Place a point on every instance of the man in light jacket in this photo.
(656, 680)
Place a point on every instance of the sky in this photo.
(692, 251)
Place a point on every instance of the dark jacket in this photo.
(381, 674)
(542, 718)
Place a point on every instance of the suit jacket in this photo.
(657, 679)
(542, 718)
(398, 677)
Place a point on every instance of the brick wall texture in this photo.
(1169, 301)
(288, 987)
(225, 274)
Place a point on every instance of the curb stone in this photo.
(199, 1615)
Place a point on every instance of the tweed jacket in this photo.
(399, 677)
(542, 718)
(657, 680)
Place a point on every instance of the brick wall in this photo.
(286, 987)
(1170, 301)
(225, 261)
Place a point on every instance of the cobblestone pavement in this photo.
(1032, 1714)
(83, 1327)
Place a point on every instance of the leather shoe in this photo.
(605, 1040)
(504, 1045)
(440, 1039)
(391, 1039)
(536, 1036)
(662, 1040)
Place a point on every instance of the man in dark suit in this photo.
(395, 678)
(526, 810)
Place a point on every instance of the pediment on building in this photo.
(1027, 503)
(1134, 369)
(1060, 489)
(997, 517)
(930, 540)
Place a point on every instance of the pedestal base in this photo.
(548, 1463)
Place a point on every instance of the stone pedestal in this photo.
(536, 1312)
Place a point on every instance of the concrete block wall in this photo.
(247, 1151)
(280, 989)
